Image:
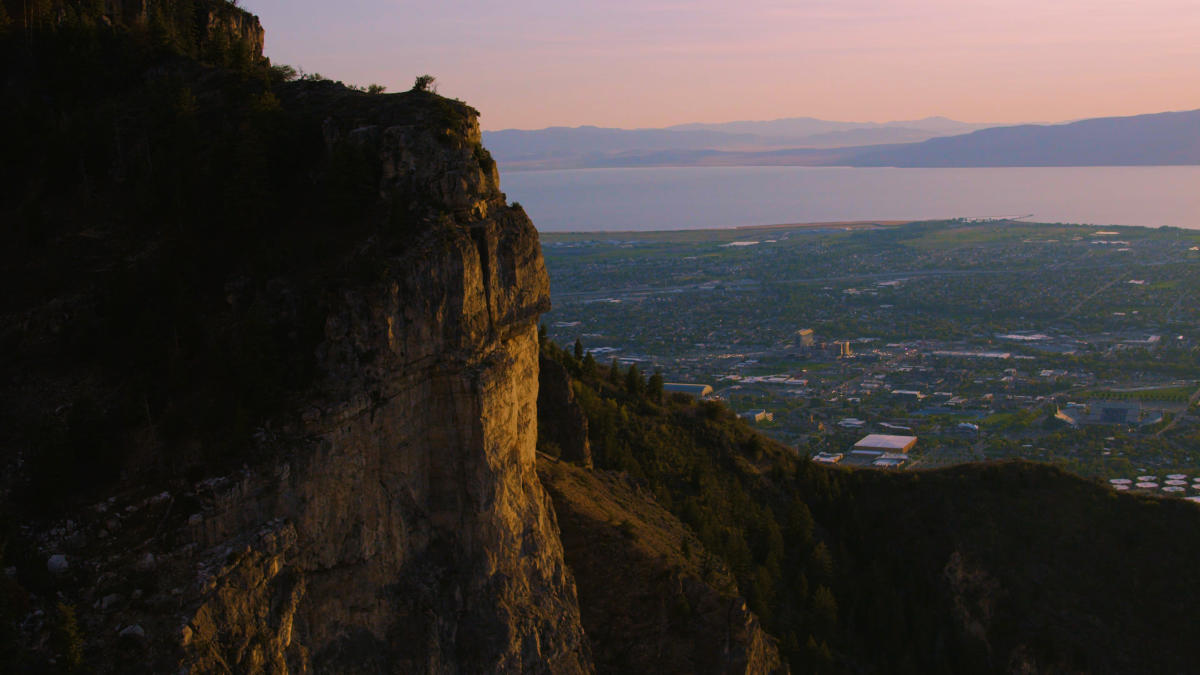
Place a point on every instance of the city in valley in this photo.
(1071, 344)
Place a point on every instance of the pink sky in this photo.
(537, 63)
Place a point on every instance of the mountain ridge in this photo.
(591, 145)
(1167, 138)
(1152, 139)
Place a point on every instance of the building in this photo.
(881, 443)
(890, 460)
(841, 349)
(697, 390)
(1104, 412)
(1115, 412)
(758, 415)
(805, 336)
(972, 355)
(827, 458)
(880, 451)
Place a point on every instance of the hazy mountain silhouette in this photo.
(564, 147)
(1170, 138)
(1155, 139)
(809, 126)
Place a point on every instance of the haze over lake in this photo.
(670, 198)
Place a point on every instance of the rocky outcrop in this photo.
(389, 518)
(381, 510)
(219, 21)
(200, 27)
(406, 531)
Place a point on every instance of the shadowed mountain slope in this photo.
(1003, 567)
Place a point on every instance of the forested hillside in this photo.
(987, 567)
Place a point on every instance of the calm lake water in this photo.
(709, 197)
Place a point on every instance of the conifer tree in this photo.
(634, 384)
(655, 386)
(824, 611)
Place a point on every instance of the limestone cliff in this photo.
(383, 513)
(270, 381)
(406, 529)
(205, 28)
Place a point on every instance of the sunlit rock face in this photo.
(382, 513)
(407, 530)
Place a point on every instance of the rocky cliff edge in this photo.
(391, 519)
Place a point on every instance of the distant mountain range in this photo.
(589, 146)
(799, 127)
(1171, 138)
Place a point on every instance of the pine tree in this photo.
(820, 564)
(824, 611)
(799, 523)
(655, 387)
(634, 384)
(614, 373)
(578, 350)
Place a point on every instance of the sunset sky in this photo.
(648, 63)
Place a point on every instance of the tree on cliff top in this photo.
(425, 83)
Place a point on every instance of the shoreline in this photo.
(820, 225)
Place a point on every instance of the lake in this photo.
(672, 198)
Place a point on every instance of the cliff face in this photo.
(207, 28)
(284, 418)
(407, 530)
(386, 515)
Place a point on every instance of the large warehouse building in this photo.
(886, 443)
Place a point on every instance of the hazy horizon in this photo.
(780, 118)
(671, 198)
(531, 64)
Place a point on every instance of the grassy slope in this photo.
(652, 598)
